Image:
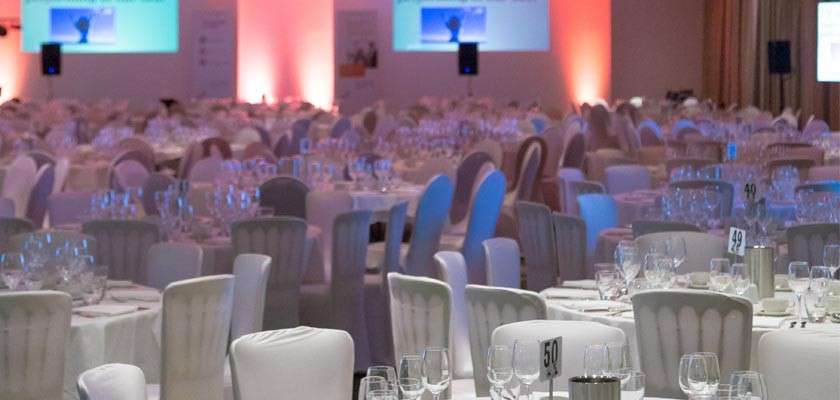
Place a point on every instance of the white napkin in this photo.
(568, 293)
(767, 322)
(588, 284)
(104, 310)
(134, 295)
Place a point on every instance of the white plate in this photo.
(773, 313)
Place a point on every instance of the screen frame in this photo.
(817, 44)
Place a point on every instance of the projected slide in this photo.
(102, 26)
(828, 42)
(497, 25)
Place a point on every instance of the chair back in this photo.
(251, 272)
(7, 208)
(293, 362)
(724, 189)
(156, 183)
(576, 336)
(569, 238)
(111, 382)
(257, 150)
(135, 143)
(18, 182)
(484, 213)
(695, 163)
(206, 170)
(577, 188)
(351, 233)
(340, 126)
(574, 152)
(284, 240)
(432, 211)
(700, 248)
(828, 186)
(282, 148)
(453, 270)
(672, 323)
(806, 242)
(216, 147)
(420, 314)
(528, 171)
(536, 235)
(627, 178)
(489, 308)
(10, 227)
(645, 227)
(286, 195)
(466, 177)
(555, 140)
(68, 208)
(129, 174)
(169, 262)
(36, 328)
(783, 351)
(123, 245)
(650, 134)
(599, 212)
(502, 261)
(140, 156)
(492, 148)
(194, 337)
(41, 158)
(322, 209)
(37, 207)
(393, 242)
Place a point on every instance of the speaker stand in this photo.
(49, 88)
(782, 92)
(470, 86)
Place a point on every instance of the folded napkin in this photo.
(134, 295)
(588, 284)
(568, 293)
(104, 310)
(768, 322)
(120, 284)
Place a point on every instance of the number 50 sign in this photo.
(551, 354)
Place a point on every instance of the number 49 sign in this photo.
(551, 354)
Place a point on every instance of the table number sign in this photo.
(737, 241)
(551, 354)
(750, 190)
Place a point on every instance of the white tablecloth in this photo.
(131, 339)
(90, 175)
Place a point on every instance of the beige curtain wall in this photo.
(735, 57)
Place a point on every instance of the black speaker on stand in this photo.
(50, 64)
(778, 59)
(468, 63)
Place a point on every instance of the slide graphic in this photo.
(454, 25)
(82, 25)
(828, 41)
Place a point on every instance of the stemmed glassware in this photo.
(799, 280)
(411, 376)
(820, 278)
(526, 363)
(596, 359)
(675, 246)
(740, 278)
(607, 281)
(699, 374)
(436, 375)
(633, 387)
(831, 258)
(629, 258)
(720, 279)
(499, 369)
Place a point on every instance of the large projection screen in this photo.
(828, 42)
(101, 26)
(496, 25)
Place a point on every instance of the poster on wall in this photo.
(356, 58)
(214, 60)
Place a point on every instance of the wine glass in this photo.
(411, 376)
(799, 280)
(633, 387)
(652, 273)
(607, 282)
(628, 257)
(526, 363)
(595, 359)
(740, 278)
(675, 246)
(499, 368)
(382, 395)
(719, 277)
(820, 278)
(12, 267)
(386, 372)
(831, 257)
(436, 374)
(749, 385)
(369, 384)
(699, 374)
(618, 360)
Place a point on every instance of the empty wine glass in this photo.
(740, 278)
(436, 374)
(628, 257)
(12, 267)
(831, 258)
(633, 387)
(618, 360)
(382, 395)
(386, 372)
(526, 363)
(607, 282)
(369, 384)
(719, 277)
(499, 368)
(749, 385)
(676, 249)
(799, 280)
(820, 278)
(699, 374)
(595, 359)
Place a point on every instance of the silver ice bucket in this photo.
(594, 388)
(759, 260)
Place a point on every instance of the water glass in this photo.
(596, 359)
(385, 372)
(740, 278)
(436, 375)
(720, 280)
(633, 387)
(749, 385)
(382, 395)
(526, 363)
(831, 258)
(676, 249)
(628, 257)
(499, 368)
(607, 282)
(699, 374)
(12, 268)
(799, 280)
(370, 384)
(411, 388)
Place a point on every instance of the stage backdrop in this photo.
(356, 59)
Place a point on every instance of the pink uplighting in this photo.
(581, 36)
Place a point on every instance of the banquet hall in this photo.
(419, 199)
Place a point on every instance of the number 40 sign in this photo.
(551, 354)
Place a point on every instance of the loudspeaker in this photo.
(468, 58)
(778, 56)
(51, 59)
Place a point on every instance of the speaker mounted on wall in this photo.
(468, 59)
(778, 56)
(51, 59)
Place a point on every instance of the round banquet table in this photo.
(132, 338)
(538, 395)
(575, 304)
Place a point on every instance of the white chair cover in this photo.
(194, 338)
(112, 382)
(298, 363)
(432, 211)
(62, 170)
(569, 238)
(18, 182)
(206, 170)
(322, 209)
(672, 323)
(7, 208)
(36, 208)
(700, 248)
(169, 262)
(34, 327)
(123, 245)
(453, 270)
(284, 240)
(467, 178)
(488, 308)
(576, 336)
(600, 212)
(68, 208)
(565, 178)
(536, 234)
(800, 363)
(484, 213)
(806, 242)
(251, 272)
(420, 314)
(502, 260)
(627, 178)
(286, 195)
